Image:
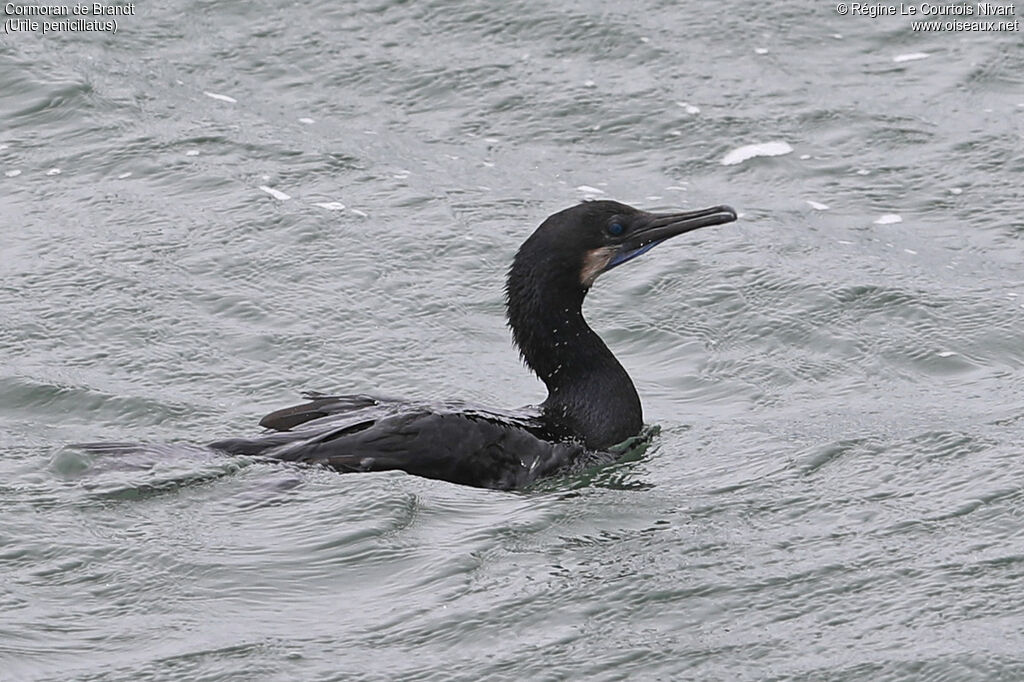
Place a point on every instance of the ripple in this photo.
(835, 488)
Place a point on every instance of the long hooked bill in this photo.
(657, 227)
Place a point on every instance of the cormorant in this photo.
(591, 406)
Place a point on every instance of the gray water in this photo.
(837, 489)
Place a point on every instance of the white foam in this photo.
(946, 353)
(192, 152)
(955, 190)
(817, 205)
(331, 205)
(760, 50)
(688, 108)
(843, 241)
(222, 98)
(306, 120)
(587, 189)
(12, 173)
(53, 171)
(804, 157)
(751, 150)
(910, 57)
(589, 84)
(122, 176)
(359, 213)
(276, 193)
(888, 219)
(911, 252)
(863, 171)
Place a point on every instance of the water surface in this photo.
(222, 205)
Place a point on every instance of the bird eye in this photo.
(616, 229)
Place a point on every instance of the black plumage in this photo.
(591, 406)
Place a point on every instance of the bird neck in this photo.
(590, 395)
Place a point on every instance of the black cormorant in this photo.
(591, 406)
